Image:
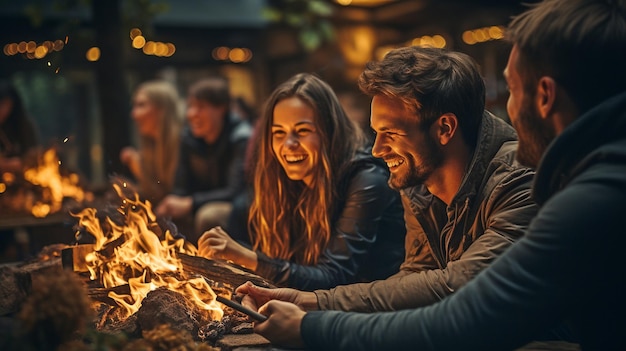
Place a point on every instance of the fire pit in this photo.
(142, 278)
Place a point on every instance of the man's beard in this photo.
(431, 159)
(534, 135)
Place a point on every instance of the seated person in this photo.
(567, 83)
(211, 159)
(159, 122)
(466, 198)
(322, 213)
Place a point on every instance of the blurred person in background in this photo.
(322, 213)
(158, 121)
(210, 170)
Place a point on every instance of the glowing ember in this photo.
(133, 254)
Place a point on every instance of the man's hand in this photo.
(216, 243)
(175, 206)
(282, 328)
(255, 296)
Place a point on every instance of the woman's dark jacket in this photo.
(367, 234)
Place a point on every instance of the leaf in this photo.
(327, 31)
(320, 8)
(310, 39)
(271, 14)
(294, 20)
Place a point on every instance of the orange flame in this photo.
(140, 259)
(57, 187)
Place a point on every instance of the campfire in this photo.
(141, 274)
(42, 188)
(134, 254)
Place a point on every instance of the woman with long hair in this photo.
(157, 115)
(322, 213)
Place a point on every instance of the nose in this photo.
(190, 114)
(292, 141)
(377, 147)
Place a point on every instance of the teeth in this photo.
(394, 163)
(295, 158)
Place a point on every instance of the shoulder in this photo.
(240, 131)
(505, 171)
(366, 171)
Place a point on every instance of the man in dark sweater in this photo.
(210, 167)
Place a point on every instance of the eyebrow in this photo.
(297, 124)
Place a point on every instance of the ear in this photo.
(546, 95)
(447, 125)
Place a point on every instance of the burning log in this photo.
(164, 306)
(143, 274)
(220, 271)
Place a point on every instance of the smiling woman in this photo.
(295, 140)
(322, 213)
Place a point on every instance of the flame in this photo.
(56, 186)
(132, 253)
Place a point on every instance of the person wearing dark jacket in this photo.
(210, 164)
(466, 199)
(322, 213)
(567, 82)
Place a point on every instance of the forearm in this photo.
(410, 289)
(289, 274)
(501, 309)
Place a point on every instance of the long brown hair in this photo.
(289, 220)
(159, 157)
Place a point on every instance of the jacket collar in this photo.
(493, 132)
(579, 145)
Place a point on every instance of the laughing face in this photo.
(411, 154)
(205, 120)
(295, 140)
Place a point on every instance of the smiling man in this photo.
(210, 170)
(465, 198)
(567, 81)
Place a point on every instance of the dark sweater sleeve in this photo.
(354, 234)
(181, 177)
(235, 180)
(552, 272)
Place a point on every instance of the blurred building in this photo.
(77, 62)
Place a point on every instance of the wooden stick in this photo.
(230, 303)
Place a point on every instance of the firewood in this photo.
(221, 271)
